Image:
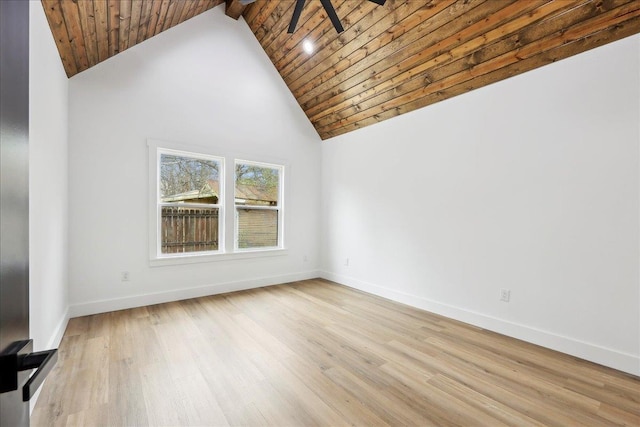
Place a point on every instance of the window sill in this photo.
(193, 259)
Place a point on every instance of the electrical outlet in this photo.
(124, 276)
(505, 295)
(346, 262)
(305, 258)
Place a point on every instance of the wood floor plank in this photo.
(479, 401)
(127, 405)
(314, 353)
(353, 411)
(387, 406)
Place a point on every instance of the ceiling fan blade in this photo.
(328, 7)
(296, 15)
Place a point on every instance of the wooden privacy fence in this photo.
(189, 229)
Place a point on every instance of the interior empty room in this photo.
(320, 213)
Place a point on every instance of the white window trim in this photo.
(226, 251)
(279, 208)
(196, 257)
(159, 151)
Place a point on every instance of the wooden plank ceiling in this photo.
(390, 59)
(89, 31)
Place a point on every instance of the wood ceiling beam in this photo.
(233, 9)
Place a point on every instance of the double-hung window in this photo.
(190, 199)
(258, 203)
(207, 205)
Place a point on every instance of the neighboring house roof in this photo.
(256, 194)
(244, 194)
(210, 189)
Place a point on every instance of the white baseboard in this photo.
(605, 356)
(56, 338)
(103, 306)
(54, 342)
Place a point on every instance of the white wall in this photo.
(48, 195)
(205, 82)
(530, 184)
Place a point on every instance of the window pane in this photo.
(189, 180)
(188, 229)
(257, 185)
(257, 228)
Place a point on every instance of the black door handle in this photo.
(14, 359)
(42, 362)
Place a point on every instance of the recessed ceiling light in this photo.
(307, 46)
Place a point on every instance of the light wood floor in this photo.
(315, 353)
